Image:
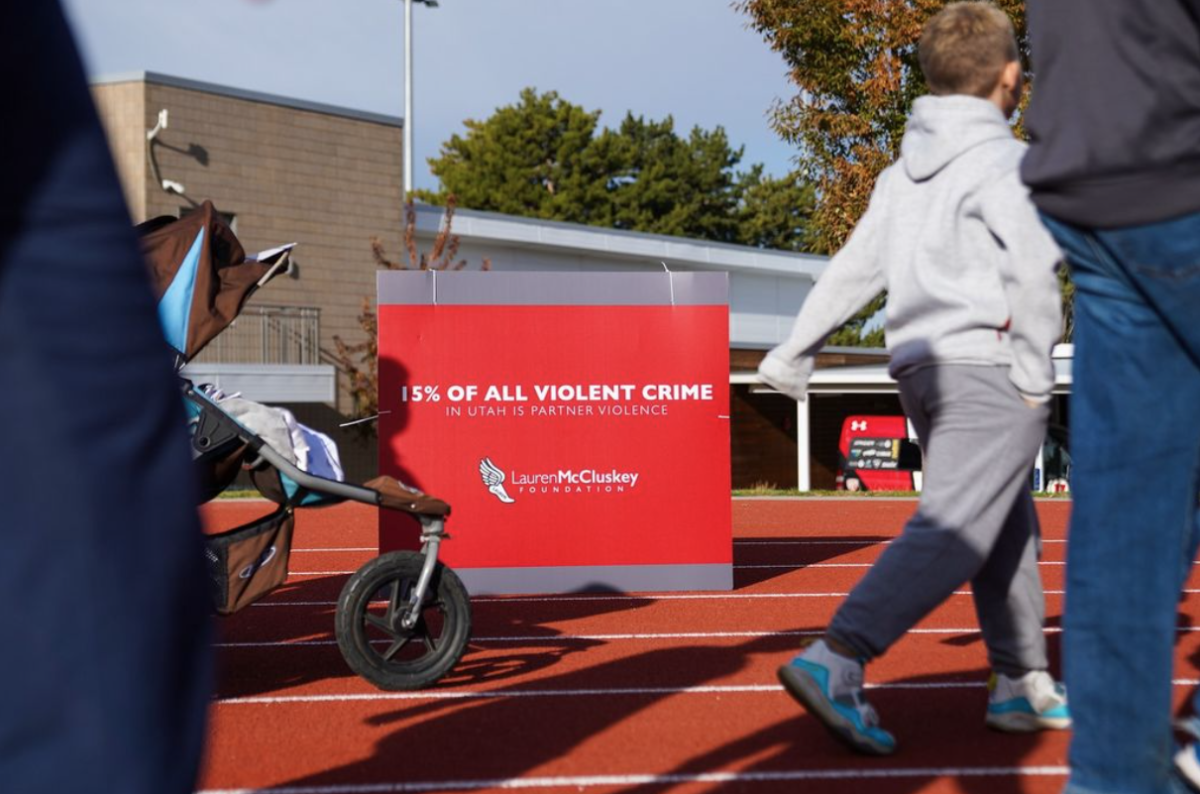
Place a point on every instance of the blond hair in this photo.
(964, 48)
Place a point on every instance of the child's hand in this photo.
(788, 378)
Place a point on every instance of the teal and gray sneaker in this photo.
(1187, 764)
(1187, 759)
(830, 687)
(1032, 702)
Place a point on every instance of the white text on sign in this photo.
(560, 393)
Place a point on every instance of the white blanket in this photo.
(311, 450)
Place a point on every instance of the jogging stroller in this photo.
(403, 620)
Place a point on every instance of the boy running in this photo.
(973, 310)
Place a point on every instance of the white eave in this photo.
(676, 252)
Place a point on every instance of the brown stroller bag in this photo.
(246, 563)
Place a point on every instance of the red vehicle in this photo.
(878, 453)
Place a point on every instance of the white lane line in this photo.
(552, 599)
(736, 542)
(553, 639)
(764, 542)
(812, 542)
(567, 638)
(863, 542)
(498, 694)
(797, 566)
(580, 782)
(491, 600)
(780, 542)
(556, 639)
(805, 566)
(718, 635)
(502, 600)
(840, 542)
(665, 597)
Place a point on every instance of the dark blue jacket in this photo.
(1114, 122)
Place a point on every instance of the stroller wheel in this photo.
(372, 638)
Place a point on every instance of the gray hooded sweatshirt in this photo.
(951, 234)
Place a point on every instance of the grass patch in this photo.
(761, 491)
(756, 490)
(239, 493)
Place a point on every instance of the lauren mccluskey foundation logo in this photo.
(560, 481)
(493, 480)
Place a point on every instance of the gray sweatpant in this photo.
(975, 522)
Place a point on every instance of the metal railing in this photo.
(268, 335)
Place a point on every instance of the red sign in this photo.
(578, 445)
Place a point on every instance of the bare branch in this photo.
(360, 361)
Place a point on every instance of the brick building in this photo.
(282, 171)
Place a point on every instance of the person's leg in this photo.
(827, 677)
(104, 678)
(1160, 274)
(976, 456)
(1009, 600)
(1136, 451)
(1193, 547)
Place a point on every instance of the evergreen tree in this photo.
(546, 158)
(775, 212)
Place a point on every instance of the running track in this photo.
(633, 694)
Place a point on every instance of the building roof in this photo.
(681, 252)
(156, 78)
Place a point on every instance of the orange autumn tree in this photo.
(854, 64)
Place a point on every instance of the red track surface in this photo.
(622, 693)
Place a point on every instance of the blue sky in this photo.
(691, 59)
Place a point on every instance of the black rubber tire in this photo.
(368, 630)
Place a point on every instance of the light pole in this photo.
(408, 94)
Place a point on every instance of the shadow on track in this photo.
(502, 738)
(791, 554)
(933, 729)
(303, 611)
(507, 737)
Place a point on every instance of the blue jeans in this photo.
(1135, 435)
